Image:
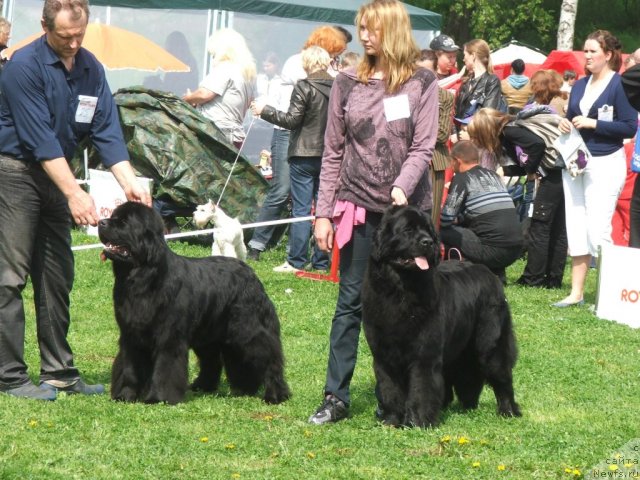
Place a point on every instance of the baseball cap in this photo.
(444, 43)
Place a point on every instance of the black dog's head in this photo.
(406, 239)
(134, 234)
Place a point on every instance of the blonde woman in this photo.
(381, 132)
(307, 120)
(224, 96)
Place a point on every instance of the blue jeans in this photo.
(278, 194)
(305, 180)
(35, 241)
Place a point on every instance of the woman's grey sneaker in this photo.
(332, 410)
(77, 387)
(29, 390)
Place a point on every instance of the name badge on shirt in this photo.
(605, 113)
(396, 107)
(86, 108)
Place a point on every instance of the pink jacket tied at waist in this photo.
(345, 216)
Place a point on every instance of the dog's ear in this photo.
(377, 242)
(150, 238)
(433, 233)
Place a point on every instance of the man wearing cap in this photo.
(446, 51)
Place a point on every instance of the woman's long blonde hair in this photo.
(227, 45)
(399, 49)
(485, 128)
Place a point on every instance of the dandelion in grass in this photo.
(268, 418)
(463, 440)
(573, 471)
(613, 468)
(307, 433)
(445, 439)
(230, 446)
(501, 467)
(204, 439)
(235, 475)
(33, 423)
(311, 455)
(475, 464)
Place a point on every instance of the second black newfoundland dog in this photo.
(433, 328)
(166, 304)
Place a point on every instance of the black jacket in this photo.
(485, 90)
(307, 115)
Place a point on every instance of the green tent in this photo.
(323, 11)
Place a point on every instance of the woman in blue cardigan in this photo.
(600, 111)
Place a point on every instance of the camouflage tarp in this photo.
(187, 157)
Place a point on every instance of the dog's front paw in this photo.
(414, 419)
(511, 410)
(125, 394)
(273, 396)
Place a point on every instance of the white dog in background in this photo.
(228, 239)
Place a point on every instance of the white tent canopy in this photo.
(515, 50)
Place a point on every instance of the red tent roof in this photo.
(560, 61)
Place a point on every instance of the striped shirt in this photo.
(478, 200)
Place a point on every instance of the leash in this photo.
(253, 119)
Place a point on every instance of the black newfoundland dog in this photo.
(433, 328)
(166, 304)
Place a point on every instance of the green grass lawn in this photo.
(576, 381)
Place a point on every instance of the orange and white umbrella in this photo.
(119, 49)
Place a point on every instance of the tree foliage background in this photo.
(534, 22)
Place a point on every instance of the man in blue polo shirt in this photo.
(55, 94)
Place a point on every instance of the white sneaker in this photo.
(286, 267)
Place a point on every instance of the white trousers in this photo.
(590, 200)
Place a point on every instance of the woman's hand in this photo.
(323, 232)
(565, 125)
(398, 197)
(257, 106)
(581, 122)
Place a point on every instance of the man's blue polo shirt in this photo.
(39, 116)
